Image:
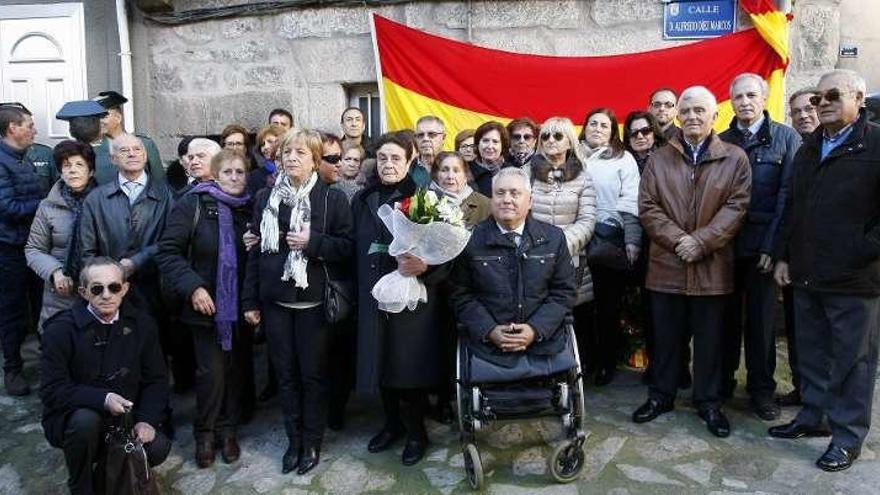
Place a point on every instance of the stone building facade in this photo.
(197, 77)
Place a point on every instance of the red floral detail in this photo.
(404, 206)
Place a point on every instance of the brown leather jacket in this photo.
(707, 201)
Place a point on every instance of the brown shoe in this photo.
(205, 452)
(229, 449)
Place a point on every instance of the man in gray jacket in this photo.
(123, 219)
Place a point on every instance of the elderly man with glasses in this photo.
(101, 360)
(829, 250)
(430, 133)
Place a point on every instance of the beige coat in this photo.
(571, 206)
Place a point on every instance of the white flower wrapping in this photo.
(434, 243)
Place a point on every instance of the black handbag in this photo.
(607, 247)
(339, 300)
(124, 469)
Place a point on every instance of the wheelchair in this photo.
(549, 386)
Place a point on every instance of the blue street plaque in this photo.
(693, 19)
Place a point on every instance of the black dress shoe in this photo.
(384, 440)
(794, 430)
(837, 458)
(413, 451)
(229, 448)
(603, 377)
(766, 410)
(716, 422)
(792, 398)
(310, 458)
(650, 410)
(291, 458)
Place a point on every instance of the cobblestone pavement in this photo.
(673, 454)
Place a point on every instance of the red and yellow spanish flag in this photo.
(466, 85)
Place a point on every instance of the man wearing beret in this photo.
(112, 126)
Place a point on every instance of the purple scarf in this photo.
(226, 287)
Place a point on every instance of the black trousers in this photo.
(82, 444)
(788, 308)
(674, 316)
(20, 303)
(606, 337)
(343, 351)
(405, 409)
(219, 380)
(299, 343)
(750, 317)
(837, 338)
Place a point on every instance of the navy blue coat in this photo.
(21, 190)
(494, 283)
(771, 155)
(831, 226)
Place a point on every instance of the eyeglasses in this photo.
(332, 159)
(467, 147)
(98, 289)
(662, 104)
(545, 136)
(233, 144)
(830, 96)
(644, 131)
(429, 135)
(522, 137)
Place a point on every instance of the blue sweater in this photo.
(20, 194)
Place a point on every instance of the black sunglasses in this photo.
(831, 95)
(522, 137)
(556, 135)
(98, 289)
(644, 131)
(332, 159)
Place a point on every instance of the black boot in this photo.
(416, 435)
(292, 455)
(310, 457)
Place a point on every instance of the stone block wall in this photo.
(198, 77)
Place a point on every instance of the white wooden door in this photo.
(42, 62)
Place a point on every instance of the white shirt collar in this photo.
(101, 320)
(754, 128)
(519, 230)
(141, 180)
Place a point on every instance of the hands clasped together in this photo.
(513, 337)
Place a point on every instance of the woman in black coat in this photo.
(397, 352)
(202, 258)
(305, 236)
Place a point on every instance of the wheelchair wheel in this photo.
(567, 461)
(473, 467)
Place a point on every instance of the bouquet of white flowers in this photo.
(424, 226)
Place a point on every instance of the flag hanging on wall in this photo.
(466, 85)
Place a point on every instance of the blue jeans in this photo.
(19, 304)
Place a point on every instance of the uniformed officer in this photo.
(40, 156)
(112, 126)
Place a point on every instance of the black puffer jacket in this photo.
(332, 247)
(831, 226)
(496, 283)
(771, 154)
(187, 258)
(75, 373)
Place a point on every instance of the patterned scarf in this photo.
(455, 198)
(226, 284)
(297, 198)
(74, 201)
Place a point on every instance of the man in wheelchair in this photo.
(514, 285)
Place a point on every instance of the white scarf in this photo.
(300, 213)
(455, 198)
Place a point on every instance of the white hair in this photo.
(699, 92)
(116, 142)
(765, 88)
(513, 172)
(208, 145)
(854, 81)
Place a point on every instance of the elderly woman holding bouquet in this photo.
(304, 227)
(397, 352)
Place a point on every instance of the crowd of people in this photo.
(145, 268)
